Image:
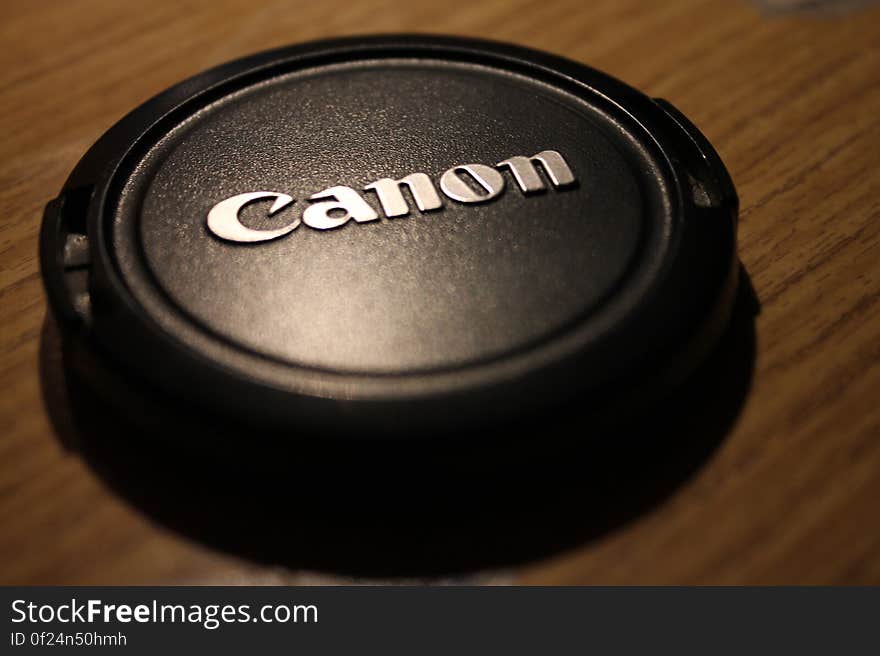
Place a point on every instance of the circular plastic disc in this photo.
(396, 235)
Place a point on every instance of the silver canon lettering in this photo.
(336, 206)
(224, 221)
(453, 184)
(347, 200)
(391, 196)
(526, 174)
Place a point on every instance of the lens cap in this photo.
(397, 236)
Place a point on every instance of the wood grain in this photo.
(790, 101)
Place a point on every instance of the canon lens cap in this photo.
(398, 236)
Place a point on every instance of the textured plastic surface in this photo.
(611, 288)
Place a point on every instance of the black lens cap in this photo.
(402, 236)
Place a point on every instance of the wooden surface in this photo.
(791, 495)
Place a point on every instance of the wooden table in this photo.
(791, 101)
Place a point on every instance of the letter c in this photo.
(223, 218)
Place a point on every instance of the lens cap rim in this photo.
(701, 198)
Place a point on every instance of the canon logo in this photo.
(335, 206)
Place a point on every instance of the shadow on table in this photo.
(362, 511)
